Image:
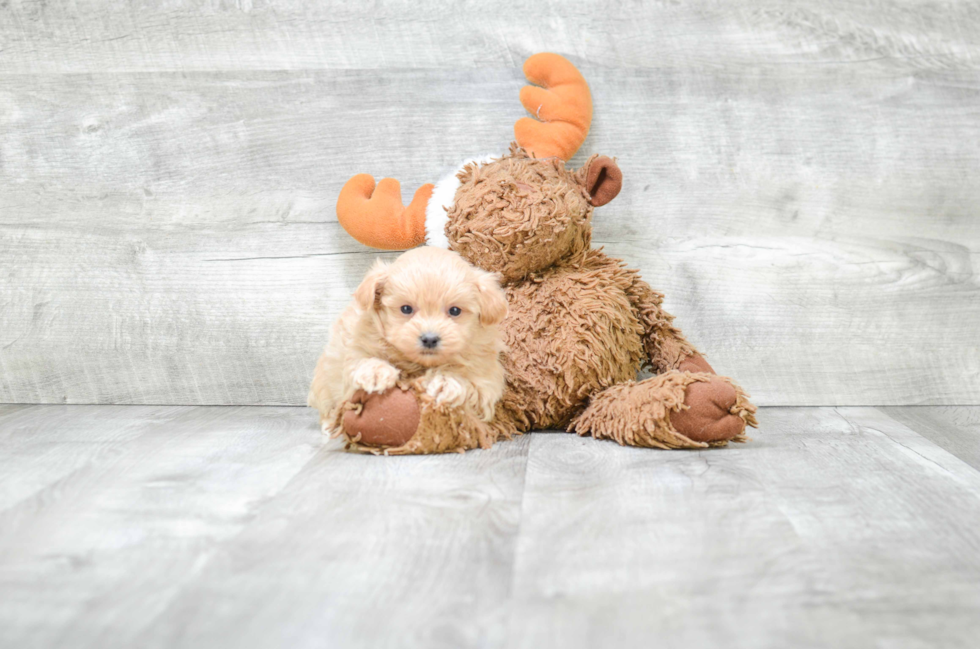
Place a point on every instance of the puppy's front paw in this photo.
(329, 430)
(374, 375)
(445, 389)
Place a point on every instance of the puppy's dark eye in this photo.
(455, 311)
(407, 310)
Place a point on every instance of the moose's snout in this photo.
(429, 340)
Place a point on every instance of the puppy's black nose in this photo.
(429, 340)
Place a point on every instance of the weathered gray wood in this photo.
(116, 508)
(293, 34)
(125, 526)
(245, 527)
(171, 239)
(836, 527)
(955, 429)
(360, 551)
(800, 182)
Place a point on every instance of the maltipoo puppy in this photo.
(429, 315)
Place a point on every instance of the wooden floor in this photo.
(152, 526)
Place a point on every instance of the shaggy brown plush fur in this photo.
(580, 326)
(518, 215)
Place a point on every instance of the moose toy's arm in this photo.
(666, 347)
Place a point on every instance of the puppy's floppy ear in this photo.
(492, 300)
(368, 294)
(601, 178)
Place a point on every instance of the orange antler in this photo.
(376, 217)
(563, 103)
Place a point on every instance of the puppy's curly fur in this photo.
(428, 314)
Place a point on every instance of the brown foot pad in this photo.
(709, 417)
(387, 419)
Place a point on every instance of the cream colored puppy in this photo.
(428, 314)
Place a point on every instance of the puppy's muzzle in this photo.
(429, 340)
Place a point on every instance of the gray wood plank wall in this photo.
(801, 182)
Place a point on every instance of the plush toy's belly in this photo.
(569, 336)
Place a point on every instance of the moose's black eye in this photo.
(407, 310)
(454, 311)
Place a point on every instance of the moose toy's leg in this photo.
(405, 420)
(687, 398)
(677, 409)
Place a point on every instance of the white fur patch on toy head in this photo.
(443, 196)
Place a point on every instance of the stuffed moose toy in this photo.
(580, 325)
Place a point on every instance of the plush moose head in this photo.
(517, 214)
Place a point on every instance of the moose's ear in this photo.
(368, 294)
(601, 178)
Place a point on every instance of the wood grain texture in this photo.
(402, 552)
(125, 526)
(955, 429)
(244, 527)
(128, 35)
(836, 527)
(799, 182)
(107, 512)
